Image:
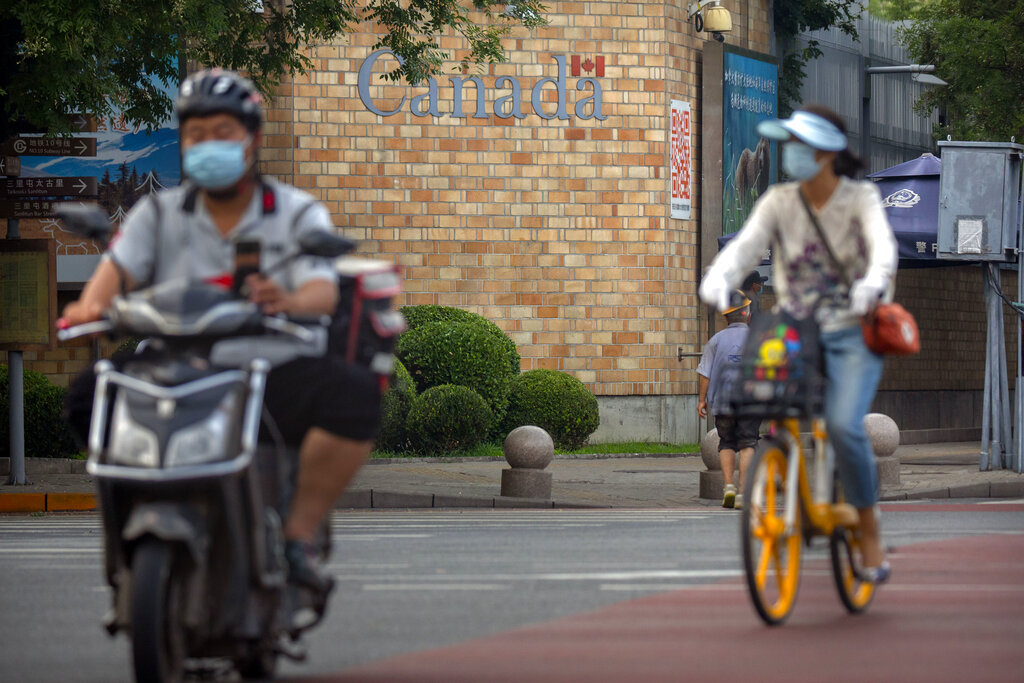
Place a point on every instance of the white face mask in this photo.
(798, 161)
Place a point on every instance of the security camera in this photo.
(717, 35)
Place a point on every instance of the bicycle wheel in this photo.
(771, 553)
(844, 547)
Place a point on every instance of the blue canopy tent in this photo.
(910, 194)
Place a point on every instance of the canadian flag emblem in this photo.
(597, 66)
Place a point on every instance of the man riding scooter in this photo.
(327, 408)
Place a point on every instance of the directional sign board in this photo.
(10, 166)
(50, 147)
(79, 123)
(59, 186)
(27, 208)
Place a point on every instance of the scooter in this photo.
(191, 502)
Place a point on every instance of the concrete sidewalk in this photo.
(927, 471)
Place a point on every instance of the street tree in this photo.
(59, 57)
(978, 49)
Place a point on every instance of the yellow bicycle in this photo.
(780, 513)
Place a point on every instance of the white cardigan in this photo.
(856, 227)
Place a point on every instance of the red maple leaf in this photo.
(588, 65)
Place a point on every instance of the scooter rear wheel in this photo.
(158, 636)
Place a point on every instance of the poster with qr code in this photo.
(681, 160)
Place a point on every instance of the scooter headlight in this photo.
(130, 443)
(204, 441)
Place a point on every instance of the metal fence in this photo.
(838, 80)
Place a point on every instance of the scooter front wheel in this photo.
(158, 636)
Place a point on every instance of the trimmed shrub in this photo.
(555, 401)
(394, 410)
(466, 354)
(430, 313)
(447, 418)
(46, 433)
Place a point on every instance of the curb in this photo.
(47, 502)
(995, 489)
(350, 500)
(365, 499)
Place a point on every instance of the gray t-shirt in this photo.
(725, 348)
(170, 235)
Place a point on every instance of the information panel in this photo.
(28, 294)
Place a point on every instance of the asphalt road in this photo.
(598, 592)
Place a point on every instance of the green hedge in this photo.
(465, 353)
(46, 433)
(429, 313)
(394, 409)
(555, 401)
(447, 418)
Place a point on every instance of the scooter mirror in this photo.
(324, 244)
(87, 220)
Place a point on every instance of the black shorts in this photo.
(736, 434)
(338, 397)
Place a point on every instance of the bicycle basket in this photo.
(779, 374)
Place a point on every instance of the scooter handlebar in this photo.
(83, 330)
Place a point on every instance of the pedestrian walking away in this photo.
(736, 436)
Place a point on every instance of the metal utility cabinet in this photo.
(979, 200)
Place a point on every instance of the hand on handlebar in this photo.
(268, 295)
(79, 313)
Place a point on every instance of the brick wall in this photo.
(556, 230)
(949, 305)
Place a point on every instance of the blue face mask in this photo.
(216, 164)
(798, 161)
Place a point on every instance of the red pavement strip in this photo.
(954, 611)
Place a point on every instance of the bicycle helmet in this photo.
(218, 91)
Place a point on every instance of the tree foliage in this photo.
(59, 57)
(793, 17)
(978, 49)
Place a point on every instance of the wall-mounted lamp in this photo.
(710, 16)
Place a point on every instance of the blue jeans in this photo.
(853, 374)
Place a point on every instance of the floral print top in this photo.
(805, 277)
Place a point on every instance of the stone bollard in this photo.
(711, 481)
(528, 450)
(884, 435)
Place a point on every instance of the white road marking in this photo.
(435, 587)
(621, 575)
(666, 587)
(375, 537)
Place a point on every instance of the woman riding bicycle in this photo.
(808, 280)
